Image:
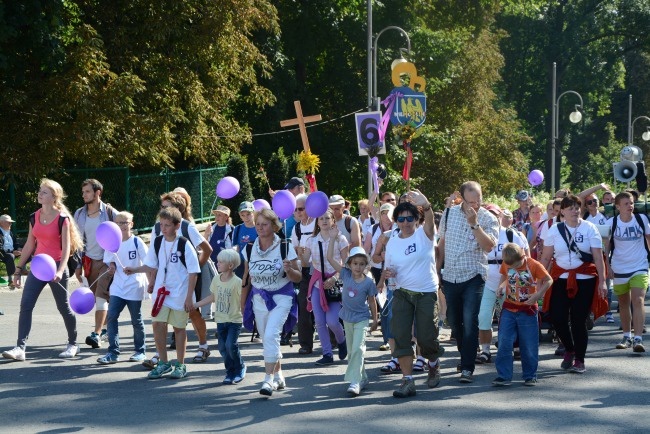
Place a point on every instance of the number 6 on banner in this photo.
(368, 132)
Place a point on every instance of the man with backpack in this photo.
(88, 218)
(348, 226)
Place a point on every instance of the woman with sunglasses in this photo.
(410, 260)
(591, 212)
(578, 280)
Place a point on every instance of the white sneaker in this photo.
(70, 352)
(354, 389)
(363, 384)
(279, 383)
(16, 353)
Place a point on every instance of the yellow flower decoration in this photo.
(308, 162)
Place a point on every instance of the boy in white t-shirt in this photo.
(225, 292)
(126, 291)
(177, 266)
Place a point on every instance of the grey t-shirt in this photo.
(355, 297)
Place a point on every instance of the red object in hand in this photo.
(160, 299)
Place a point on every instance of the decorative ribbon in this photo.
(389, 103)
(312, 182)
(160, 299)
(406, 171)
(373, 167)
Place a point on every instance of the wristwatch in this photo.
(475, 227)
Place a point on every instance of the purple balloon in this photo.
(260, 204)
(535, 177)
(228, 187)
(82, 300)
(43, 267)
(284, 204)
(316, 204)
(109, 236)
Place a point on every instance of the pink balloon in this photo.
(43, 267)
(284, 204)
(316, 204)
(260, 204)
(228, 187)
(109, 236)
(82, 300)
(535, 177)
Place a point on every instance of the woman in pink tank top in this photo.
(44, 237)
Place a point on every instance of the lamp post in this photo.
(630, 126)
(375, 98)
(574, 117)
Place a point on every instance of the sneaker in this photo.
(93, 340)
(384, 347)
(406, 389)
(638, 346)
(70, 352)
(227, 380)
(363, 384)
(500, 382)
(103, 336)
(483, 358)
(180, 371)
(578, 367)
(279, 383)
(151, 363)
(16, 353)
(609, 318)
(161, 369)
(624, 344)
(325, 360)
(343, 350)
(239, 377)
(137, 357)
(354, 389)
(590, 322)
(267, 389)
(530, 382)
(466, 377)
(568, 360)
(108, 359)
(559, 351)
(433, 378)
(516, 354)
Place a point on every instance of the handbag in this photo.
(335, 293)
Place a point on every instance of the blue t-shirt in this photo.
(217, 240)
(355, 297)
(241, 236)
(290, 222)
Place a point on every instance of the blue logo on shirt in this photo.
(410, 249)
(132, 254)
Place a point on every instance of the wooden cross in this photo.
(301, 121)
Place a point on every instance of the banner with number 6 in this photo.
(368, 132)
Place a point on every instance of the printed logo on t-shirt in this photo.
(245, 239)
(265, 272)
(174, 257)
(222, 303)
(410, 249)
(628, 233)
(579, 237)
(520, 283)
(132, 254)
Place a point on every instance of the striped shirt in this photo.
(464, 257)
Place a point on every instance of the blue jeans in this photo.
(463, 305)
(228, 345)
(115, 307)
(513, 326)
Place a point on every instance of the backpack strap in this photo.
(249, 251)
(611, 238)
(348, 223)
(180, 248)
(235, 236)
(185, 230)
(639, 220)
(374, 229)
(156, 230)
(110, 211)
(298, 231)
(510, 234)
(156, 245)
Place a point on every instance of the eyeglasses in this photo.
(300, 209)
(592, 201)
(123, 223)
(402, 219)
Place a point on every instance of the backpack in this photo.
(348, 223)
(510, 234)
(298, 231)
(611, 239)
(184, 230)
(180, 247)
(75, 257)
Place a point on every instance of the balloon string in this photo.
(59, 283)
(118, 260)
(215, 201)
(98, 277)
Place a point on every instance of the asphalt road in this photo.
(50, 395)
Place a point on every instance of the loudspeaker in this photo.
(625, 171)
(641, 177)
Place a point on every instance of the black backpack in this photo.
(180, 247)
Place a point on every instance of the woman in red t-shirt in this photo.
(45, 237)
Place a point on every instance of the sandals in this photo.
(151, 363)
(392, 367)
(419, 365)
(201, 355)
(483, 358)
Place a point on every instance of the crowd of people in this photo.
(324, 273)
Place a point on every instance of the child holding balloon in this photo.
(176, 266)
(125, 291)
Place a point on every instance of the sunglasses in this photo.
(592, 201)
(300, 209)
(402, 219)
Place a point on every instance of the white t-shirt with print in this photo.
(171, 272)
(598, 219)
(130, 254)
(195, 236)
(629, 249)
(586, 236)
(414, 261)
(266, 268)
(494, 276)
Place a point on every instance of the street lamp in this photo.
(375, 98)
(630, 126)
(574, 117)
